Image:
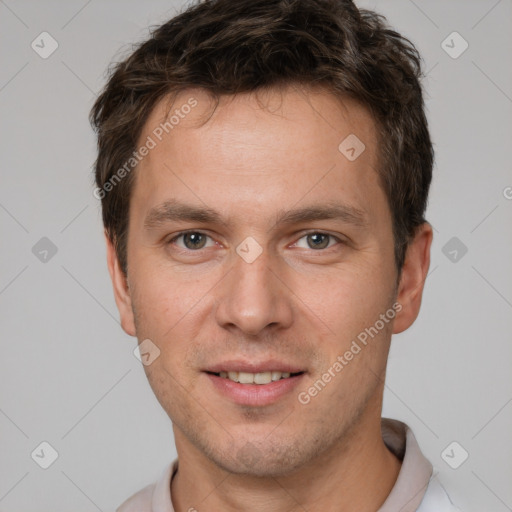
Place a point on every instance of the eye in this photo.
(191, 240)
(317, 241)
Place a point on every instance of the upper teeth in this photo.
(255, 378)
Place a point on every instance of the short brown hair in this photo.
(235, 46)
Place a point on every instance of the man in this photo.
(264, 167)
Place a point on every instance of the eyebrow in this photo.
(330, 210)
(176, 211)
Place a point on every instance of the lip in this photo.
(268, 365)
(254, 394)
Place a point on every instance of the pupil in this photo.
(318, 237)
(194, 240)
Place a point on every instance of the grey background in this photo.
(68, 373)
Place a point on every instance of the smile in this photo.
(256, 389)
(256, 378)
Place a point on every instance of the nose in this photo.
(254, 297)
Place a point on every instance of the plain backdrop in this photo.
(68, 376)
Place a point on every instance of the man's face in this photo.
(253, 287)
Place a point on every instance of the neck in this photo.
(357, 473)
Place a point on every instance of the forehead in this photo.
(269, 147)
(311, 112)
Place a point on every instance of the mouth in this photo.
(260, 378)
(257, 389)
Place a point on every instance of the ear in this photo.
(121, 289)
(412, 277)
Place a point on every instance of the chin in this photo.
(265, 461)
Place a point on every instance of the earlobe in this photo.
(412, 277)
(121, 291)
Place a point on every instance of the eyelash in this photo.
(182, 233)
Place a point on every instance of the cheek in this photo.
(345, 300)
(165, 299)
(171, 310)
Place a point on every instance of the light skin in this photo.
(303, 300)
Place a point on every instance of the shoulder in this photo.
(138, 502)
(436, 498)
(156, 496)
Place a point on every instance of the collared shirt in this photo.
(416, 488)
